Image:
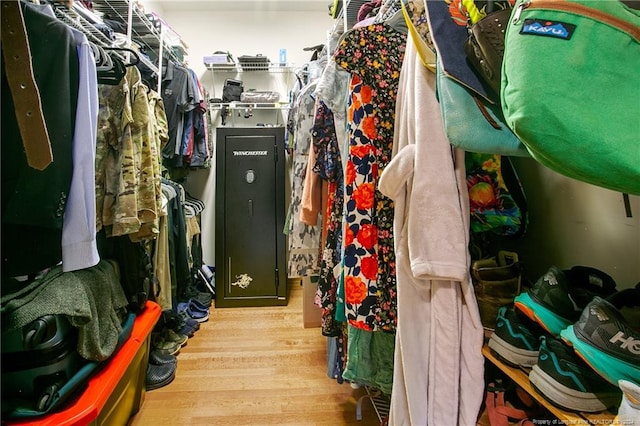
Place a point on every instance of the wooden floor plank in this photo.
(255, 366)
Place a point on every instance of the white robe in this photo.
(438, 364)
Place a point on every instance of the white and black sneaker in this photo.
(606, 339)
(567, 381)
(516, 339)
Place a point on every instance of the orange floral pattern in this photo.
(368, 236)
(373, 55)
(369, 127)
(370, 267)
(363, 195)
(355, 290)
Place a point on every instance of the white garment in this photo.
(79, 246)
(304, 240)
(333, 89)
(438, 363)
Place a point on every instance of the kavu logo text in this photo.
(544, 28)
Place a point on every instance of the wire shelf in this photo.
(143, 30)
(251, 67)
(381, 404)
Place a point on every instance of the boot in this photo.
(497, 281)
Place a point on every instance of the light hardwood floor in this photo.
(255, 366)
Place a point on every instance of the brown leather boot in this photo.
(497, 281)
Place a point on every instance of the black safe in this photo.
(250, 248)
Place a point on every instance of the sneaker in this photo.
(162, 346)
(186, 331)
(179, 322)
(193, 311)
(516, 338)
(557, 299)
(563, 379)
(186, 320)
(171, 336)
(606, 340)
(192, 292)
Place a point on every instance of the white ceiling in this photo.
(237, 5)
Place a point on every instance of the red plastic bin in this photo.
(116, 392)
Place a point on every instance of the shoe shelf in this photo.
(521, 377)
(381, 404)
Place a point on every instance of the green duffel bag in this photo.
(570, 88)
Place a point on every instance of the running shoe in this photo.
(516, 338)
(557, 299)
(606, 340)
(565, 380)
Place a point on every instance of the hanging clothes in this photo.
(35, 202)
(200, 153)
(127, 164)
(332, 90)
(193, 150)
(328, 166)
(304, 240)
(175, 95)
(181, 278)
(79, 246)
(161, 259)
(438, 364)
(373, 55)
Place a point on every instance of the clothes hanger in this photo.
(126, 49)
(397, 22)
(114, 76)
(103, 60)
(110, 69)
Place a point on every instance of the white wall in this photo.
(241, 32)
(249, 33)
(574, 223)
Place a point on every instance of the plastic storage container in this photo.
(116, 392)
(260, 97)
(216, 59)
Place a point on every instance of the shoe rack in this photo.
(381, 404)
(520, 375)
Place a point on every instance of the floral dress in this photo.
(373, 55)
(328, 166)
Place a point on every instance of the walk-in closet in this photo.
(320, 212)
